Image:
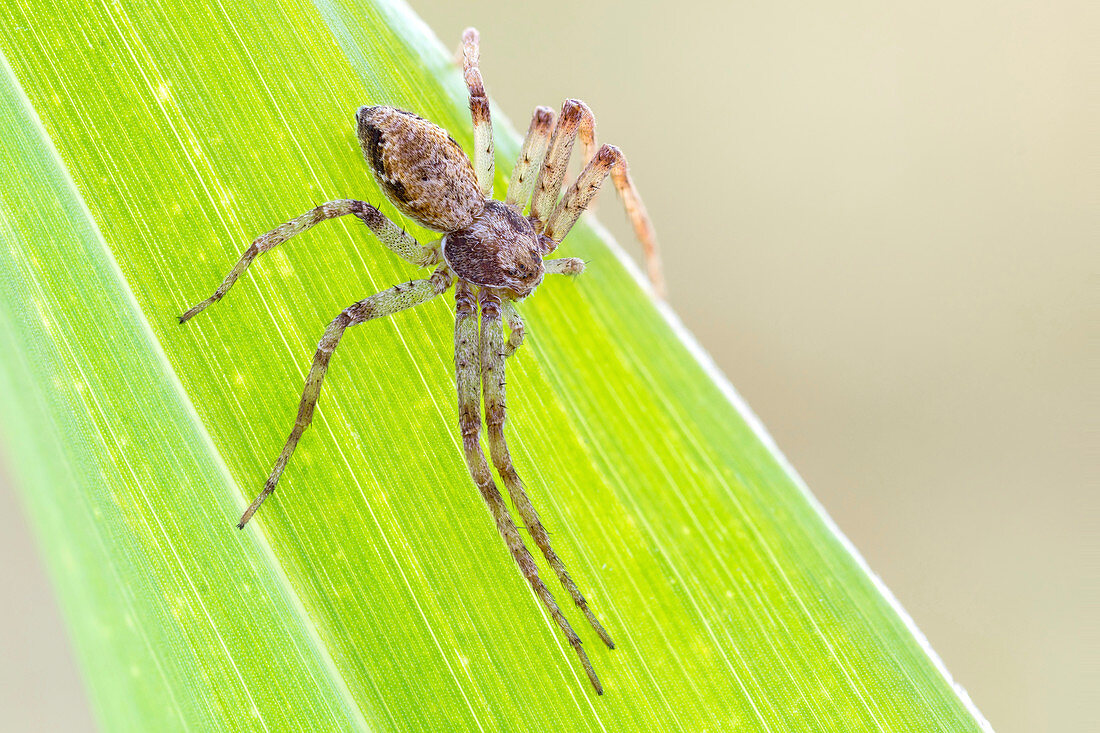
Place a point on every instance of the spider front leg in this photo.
(608, 160)
(640, 221)
(582, 192)
(391, 235)
(479, 112)
(531, 155)
(576, 119)
(468, 378)
(493, 384)
(556, 162)
(385, 303)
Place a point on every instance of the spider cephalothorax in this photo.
(492, 253)
(499, 249)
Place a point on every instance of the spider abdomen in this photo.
(420, 168)
(500, 249)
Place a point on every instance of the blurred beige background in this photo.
(881, 220)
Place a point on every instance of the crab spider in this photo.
(493, 254)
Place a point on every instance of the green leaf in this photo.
(372, 591)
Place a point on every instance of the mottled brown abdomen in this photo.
(420, 168)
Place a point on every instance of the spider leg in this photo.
(493, 383)
(640, 221)
(479, 111)
(516, 327)
(587, 133)
(385, 303)
(467, 377)
(582, 192)
(522, 182)
(391, 235)
(577, 120)
(609, 159)
(556, 161)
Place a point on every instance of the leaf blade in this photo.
(92, 371)
(652, 482)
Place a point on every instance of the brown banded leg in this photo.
(587, 134)
(581, 193)
(579, 121)
(385, 303)
(493, 384)
(640, 221)
(517, 329)
(609, 159)
(556, 162)
(391, 235)
(468, 378)
(522, 182)
(479, 111)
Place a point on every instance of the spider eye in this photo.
(520, 273)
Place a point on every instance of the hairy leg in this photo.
(587, 135)
(493, 383)
(556, 162)
(581, 193)
(640, 221)
(517, 329)
(522, 182)
(385, 303)
(467, 368)
(479, 111)
(391, 235)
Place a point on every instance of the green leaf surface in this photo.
(142, 147)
